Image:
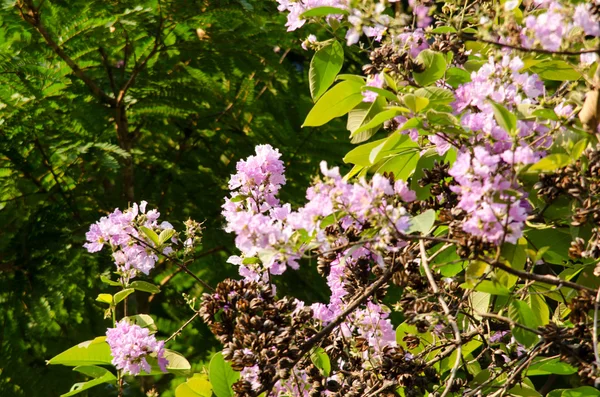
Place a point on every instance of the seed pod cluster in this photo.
(256, 329)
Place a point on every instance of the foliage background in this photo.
(198, 101)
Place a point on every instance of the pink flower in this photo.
(131, 345)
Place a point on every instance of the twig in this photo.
(331, 326)
(188, 322)
(553, 280)
(176, 261)
(519, 48)
(450, 317)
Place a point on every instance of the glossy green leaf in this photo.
(436, 96)
(457, 76)
(144, 321)
(145, 286)
(177, 365)
(444, 29)
(320, 359)
(196, 386)
(435, 67)
(336, 102)
(521, 313)
(514, 256)
(151, 234)
(324, 67)
(422, 223)
(107, 280)
(540, 309)
(504, 118)
(323, 11)
(556, 70)
(547, 366)
(105, 298)
(383, 92)
(583, 391)
(91, 352)
(415, 103)
(100, 375)
(222, 376)
(550, 163)
(165, 236)
(119, 296)
(362, 114)
(376, 121)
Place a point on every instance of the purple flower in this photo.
(131, 345)
(376, 81)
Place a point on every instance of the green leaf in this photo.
(547, 366)
(583, 391)
(336, 102)
(491, 287)
(435, 67)
(105, 298)
(402, 165)
(165, 236)
(550, 163)
(457, 76)
(362, 114)
(444, 29)
(145, 286)
(91, 352)
(107, 280)
(480, 302)
(514, 256)
(415, 103)
(222, 376)
(504, 118)
(322, 11)
(436, 96)
(352, 77)
(320, 359)
(324, 66)
(144, 321)
(360, 154)
(196, 386)
(383, 92)
(376, 121)
(119, 296)
(178, 365)
(520, 312)
(422, 223)
(556, 70)
(441, 118)
(151, 234)
(540, 309)
(100, 375)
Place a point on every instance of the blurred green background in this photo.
(103, 103)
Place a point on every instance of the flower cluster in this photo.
(133, 251)
(488, 192)
(560, 24)
(268, 232)
(131, 345)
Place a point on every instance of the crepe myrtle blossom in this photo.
(133, 252)
(376, 81)
(495, 208)
(267, 230)
(131, 345)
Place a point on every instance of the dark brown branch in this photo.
(312, 342)
(524, 49)
(553, 280)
